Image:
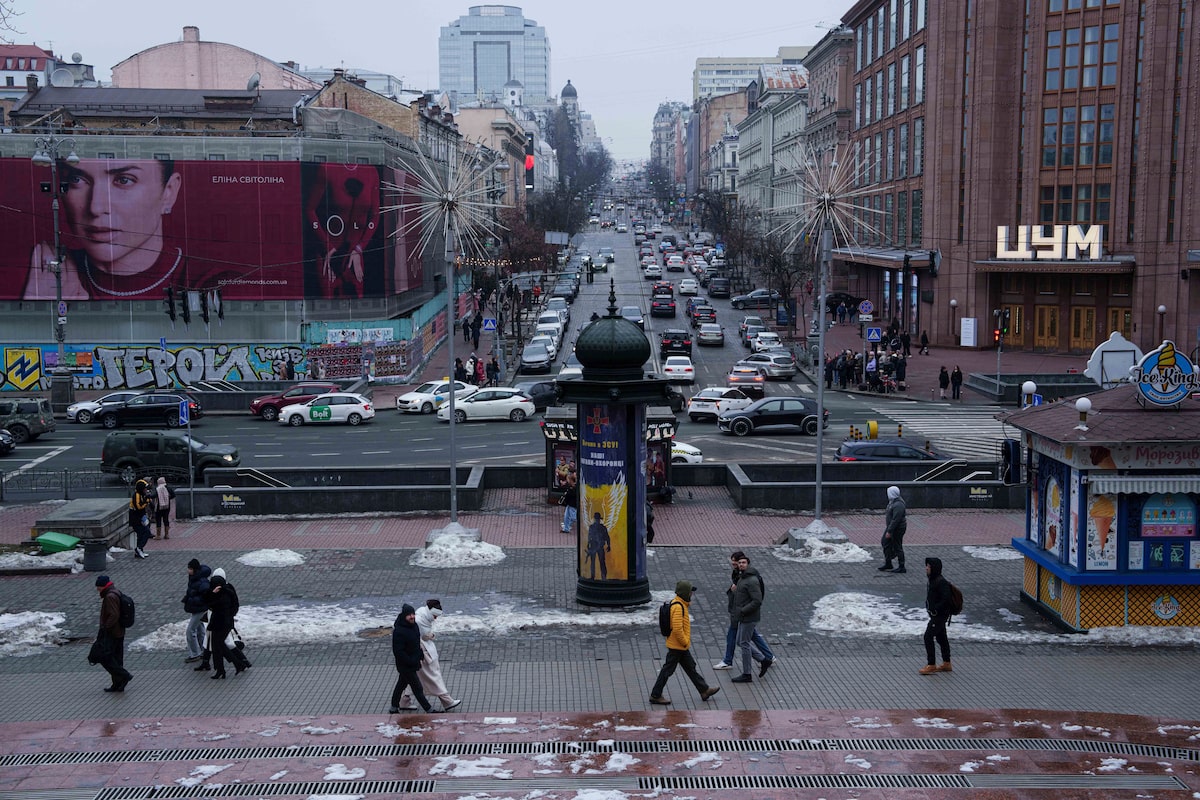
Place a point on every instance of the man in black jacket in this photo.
(194, 604)
(406, 648)
(109, 650)
(745, 612)
(939, 604)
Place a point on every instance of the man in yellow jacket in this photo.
(678, 654)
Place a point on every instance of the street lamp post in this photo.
(46, 154)
(1162, 318)
(953, 316)
(496, 190)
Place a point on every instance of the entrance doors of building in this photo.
(1045, 327)
(1121, 321)
(1083, 328)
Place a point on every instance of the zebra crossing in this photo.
(970, 432)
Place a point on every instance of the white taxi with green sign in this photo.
(351, 409)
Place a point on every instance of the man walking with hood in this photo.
(109, 649)
(895, 526)
(679, 644)
(939, 602)
(746, 612)
(406, 649)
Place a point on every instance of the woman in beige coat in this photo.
(431, 669)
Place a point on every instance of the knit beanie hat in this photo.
(194, 564)
(406, 609)
(103, 580)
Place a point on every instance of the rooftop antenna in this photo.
(254, 82)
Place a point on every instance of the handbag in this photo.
(234, 641)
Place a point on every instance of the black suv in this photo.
(152, 408)
(675, 343)
(142, 454)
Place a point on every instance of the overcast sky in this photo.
(623, 56)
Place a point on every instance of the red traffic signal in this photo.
(996, 335)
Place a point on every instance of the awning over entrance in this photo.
(1117, 266)
(886, 257)
(1144, 484)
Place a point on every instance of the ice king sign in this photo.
(1165, 376)
(1051, 242)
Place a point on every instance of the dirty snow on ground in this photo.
(455, 547)
(992, 553)
(28, 632)
(35, 560)
(199, 775)
(814, 550)
(271, 558)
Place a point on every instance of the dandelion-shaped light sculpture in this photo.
(826, 206)
(458, 207)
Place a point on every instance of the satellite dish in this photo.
(77, 58)
(252, 84)
(62, 77)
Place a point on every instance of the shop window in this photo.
(1165, 533)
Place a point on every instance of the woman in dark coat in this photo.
(943, 381)
(220, 623)
(406, 649)
(956, 379)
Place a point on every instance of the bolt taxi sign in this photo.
(320, 413)
(1165, 376)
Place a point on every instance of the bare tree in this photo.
(8, 25)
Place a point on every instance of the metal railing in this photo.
(64, 482)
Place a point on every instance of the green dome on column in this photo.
(612, 347)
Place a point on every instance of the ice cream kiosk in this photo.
(1113, 481)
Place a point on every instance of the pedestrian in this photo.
(109, 648)
(221, 614)
(164, 496)
(731, 631)
(493, 372)
(679, 644)
(901, 372)
(939, 604)
(570, 502)
(470, 368)
(841, 313)
(139, 516)
(460, 371)
(599, 545)
(895, 526)
(480, 372)
(906, 343)
(466, 328)
(649, 522)
(746, 612)
(829, 362)
(924, 343)
(194, 603)
(476, 329)
(943, 382)
(956, 383)
(406, 650)
(430, 672)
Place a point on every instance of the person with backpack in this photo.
(109, 649)
(164, 496)
(194, 603)
(940, 603)
(731, 632)
(139, 515)
(679, 642)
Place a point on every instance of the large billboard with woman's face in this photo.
(257, 230)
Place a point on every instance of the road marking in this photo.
(326, 454)
(428, 450)
(375, 452)
(39, 460)
(270, 455)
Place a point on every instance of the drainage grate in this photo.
(605, 746)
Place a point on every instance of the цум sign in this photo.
(1165, 376)
(1062, 243)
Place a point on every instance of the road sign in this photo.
(866, 317)
(866, 307)
(489, 324)
(874, 334)
(184, 418)
(62, 308)
(162, 343)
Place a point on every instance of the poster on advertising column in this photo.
(608, 492)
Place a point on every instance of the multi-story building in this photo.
(478, 54)
(26, 65)
(1050, 184)
(711, 142)
(719, 75)
(771, 139)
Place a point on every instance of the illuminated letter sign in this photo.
(1061, 243)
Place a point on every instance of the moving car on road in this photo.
(710, 334)
(634, 315)
(268, 405)
(766, 340)
(682, 453)
(759, 298)
(777, 364)
(675, 342)
(26, 418)
(773, 414)
(540, 392)
(134, 454)
(346, 407)
(887, 450)
(713, 401)
(426, 398)
(679, 368)
(749, 379)
(662, 305)
(7, 442)
(689, 286)
(498, 403)
(153, 408)
(85, 410)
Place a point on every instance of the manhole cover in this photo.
(475, 666)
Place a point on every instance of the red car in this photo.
(268, 406)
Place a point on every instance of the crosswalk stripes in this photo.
(970, 432)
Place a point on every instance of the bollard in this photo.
(900, 430)
(931, 395)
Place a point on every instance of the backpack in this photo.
(128, 613)
(664, 618)
(956, 599)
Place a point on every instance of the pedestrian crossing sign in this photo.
(489, 324)
(874, 334)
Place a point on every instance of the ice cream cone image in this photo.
(1102, 512)
(1166, 361)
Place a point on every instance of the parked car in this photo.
(268, 405)
(749, 333)
(426, 398)
(834, 299)
(675, 342)
(561, 307)
(662, 305)
(571, 368)
(497, 403)
(773, 414)
(26, 418)
(679, 368)
(352, 409)
(134, 454)
(547, 341)
(713, 401)
(152, 408)
(747, 321)
(759, 298)
(84, 411)
(710, 334)
(535, 358)
(778, 364)
(540, 392)
(749, 379)
(7, 442)
(887, 450)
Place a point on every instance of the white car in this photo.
(622, 227)
(85, 410)
(710, 403)
(572, 368)
(679, 368)
(427, 397)
(548, 342)
(689, 286)
(351, 409)
(498, 403)
(652, 271)
(766, 340)
(685, 454)
(647, 261)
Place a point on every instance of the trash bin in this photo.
(95, 555)
(55, 542)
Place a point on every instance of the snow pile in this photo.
(456, 547)
(271, 558)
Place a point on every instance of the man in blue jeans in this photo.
(731, 635)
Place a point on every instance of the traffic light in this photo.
(185, 309)
(204, 307)
(169, 302)
(1005, 316)
(529, 162)
(996, 336)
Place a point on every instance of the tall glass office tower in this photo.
(481, 52)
